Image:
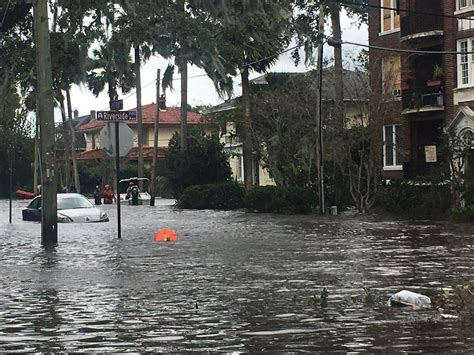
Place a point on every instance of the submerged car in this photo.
(72, 207)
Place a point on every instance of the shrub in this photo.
(203, 162)
(465, 214)
(416, 197)
(221, 196)
(278, 199)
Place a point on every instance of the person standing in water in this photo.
(97, 196)
(108, 195)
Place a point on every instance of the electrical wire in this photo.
(458, 17)
(132, 93)
(272, 56)
(5, 14)
(414, 51)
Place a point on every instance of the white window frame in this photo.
(464, 6)
(396, 164)
(239, 174)
(393, 4)
(465, 63)
(395, 91)
(466, 24)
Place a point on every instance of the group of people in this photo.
(108, 195)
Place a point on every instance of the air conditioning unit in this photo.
(397, 92)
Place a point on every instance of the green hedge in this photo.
(221, 196)
(416, 198)
(278, 199)
(465, 214)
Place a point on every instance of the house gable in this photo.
(463, 121)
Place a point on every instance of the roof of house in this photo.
(356, 83)
(168, 117)
(356, 86)
(132, 155)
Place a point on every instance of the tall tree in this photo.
(259, 31)
(111, 66)
(192, 37)
(135, 28)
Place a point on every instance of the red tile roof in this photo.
(169, 117)
(99, 154)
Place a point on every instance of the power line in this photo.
(272, 56)
(414, 51)
(132, 93)
(5, 14)
(406, 10)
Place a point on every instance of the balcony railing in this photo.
(423, 99)
(420, 22)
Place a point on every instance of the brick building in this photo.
(420, 93)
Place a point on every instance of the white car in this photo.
(72, 207)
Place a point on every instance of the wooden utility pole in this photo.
(247, 143)
(155, 139)
(184, 105)
(319, 112)
(45, 97)
(139, 114)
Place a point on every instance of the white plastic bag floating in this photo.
(408, 298)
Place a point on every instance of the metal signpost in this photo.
(116, 117)
(11, 158)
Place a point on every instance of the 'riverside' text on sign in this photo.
(116, 115)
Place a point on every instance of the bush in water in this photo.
(416, 197)
(221, 196)
(278, 199)
(464, 214)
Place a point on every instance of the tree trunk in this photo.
(35, 165)
(138, 85)
(184, 105)
(247, 149)
(75, 169)
(67, 144)
(338, 71)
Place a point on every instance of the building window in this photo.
(392, 158)
(391, 76)
(240, 168)
(465, 63)
(390, 15)
(462, 4)
(466, 23)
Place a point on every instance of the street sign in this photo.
(107, 139)
(116, 115)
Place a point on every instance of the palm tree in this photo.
(134, 27)
(190, 35)
(111, 65)
(259, 31)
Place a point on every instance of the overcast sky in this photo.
(200, 89)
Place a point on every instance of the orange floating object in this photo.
(166, 235)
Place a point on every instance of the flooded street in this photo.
(234, 282)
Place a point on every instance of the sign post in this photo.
(117, 177)
(11, 158)
(116, 117)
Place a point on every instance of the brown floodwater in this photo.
(234, 282)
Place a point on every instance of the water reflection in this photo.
(233, 282)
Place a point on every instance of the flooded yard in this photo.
(234, 282)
